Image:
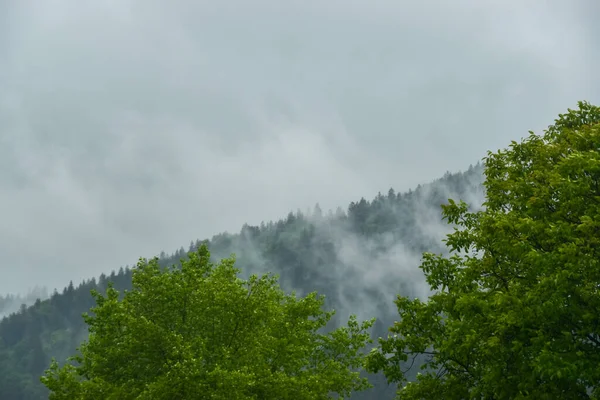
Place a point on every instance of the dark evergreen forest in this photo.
(359, 258)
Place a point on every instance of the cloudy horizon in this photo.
(130, 127)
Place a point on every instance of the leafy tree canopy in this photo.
(202, 332)
(516, 306)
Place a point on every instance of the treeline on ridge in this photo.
(304, 249)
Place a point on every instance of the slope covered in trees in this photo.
(508, 311)
(360, 259)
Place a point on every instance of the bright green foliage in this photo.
(201, 332)
(516, 307)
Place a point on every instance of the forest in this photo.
(506, 307)
(327, 252)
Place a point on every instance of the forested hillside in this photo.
(359, 258)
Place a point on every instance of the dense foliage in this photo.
(201, 332)
(516, 312)
(329, 252)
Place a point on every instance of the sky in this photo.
(128, 127)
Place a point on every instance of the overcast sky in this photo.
(130, 127)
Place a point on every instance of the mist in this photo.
(12, 303)
(359, 272)
(129, 127)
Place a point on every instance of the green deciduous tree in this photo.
(202, 332)
(516, 306)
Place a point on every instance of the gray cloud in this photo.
(128, 127)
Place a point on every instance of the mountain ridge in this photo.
(360, 259)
